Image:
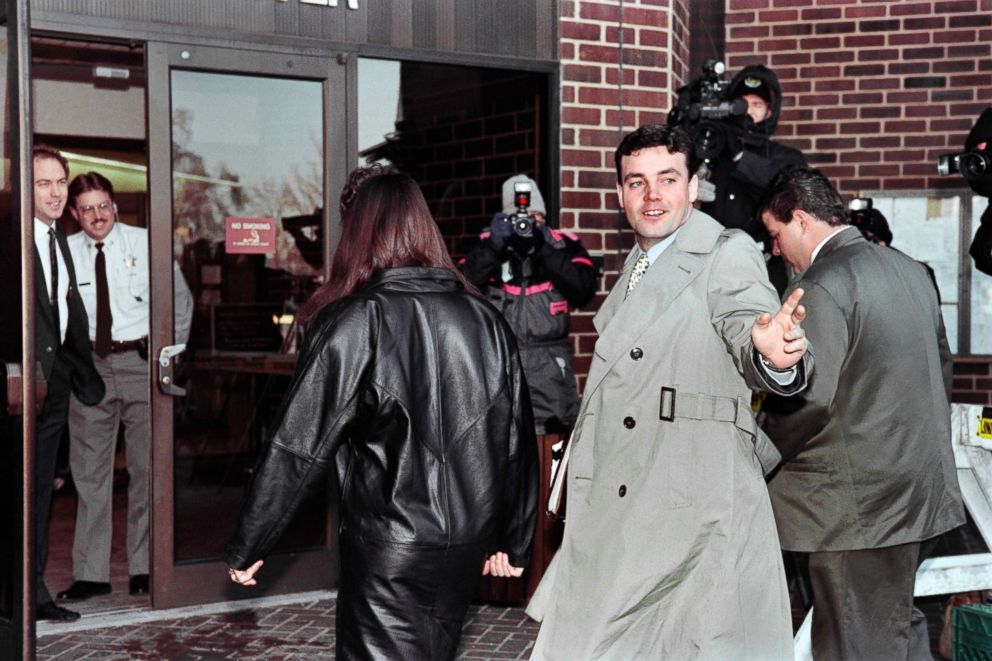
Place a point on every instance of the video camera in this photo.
(523, 222)
(971, 164)
(703, 109)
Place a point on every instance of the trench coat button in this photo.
(623, 490)
(629, 422)
(636, 353)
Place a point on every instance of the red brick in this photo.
(840, 85)
(823, 99)
(629, 75)
(613, 35)
(581, 74)
(605, 54)
(821, 14)
(878, 83)
(908, 38)
(834, 56)
(875, 55)
(860, 157)
(739, 18)
(863, 98)
(652, 78)
(907, 97)
(749, 31)
(838, 27)
(644, 58)
(597, 138)
(902, 68)
(744, 59)
(910, 8)
(954, 66)
(968, 109)
(841, 112)
(865, 70)
(864, 12)
(654, 17)
(955, 37)
(864, 41)
(971, 398)
(854, 128)
(973, 80)
(792, 3)
(737, 5)
(928, 23)
(905, 126)
(880, 141)
(778, 16)
(654, 38)
(627, 118)
(816, 128)
(926, 110)
(792, 29)
(604, 96)
(587, 116)
(972, 50)
(582, 31)
(790, 58)
(836, 171)
(904, 155)
(956, 7)
(880, 112)
(608, 12)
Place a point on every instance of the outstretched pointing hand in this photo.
(781, 338)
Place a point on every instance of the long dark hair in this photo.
(386, 224)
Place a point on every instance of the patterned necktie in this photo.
(640, 268)
(54, 298)
(104, 318)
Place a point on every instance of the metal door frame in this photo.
(178, 584)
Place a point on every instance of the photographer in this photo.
(980, 140)
(751, 159)
(535, 275)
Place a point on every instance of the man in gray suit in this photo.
(868, 477)
(669, 549)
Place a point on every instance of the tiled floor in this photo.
(296, 632)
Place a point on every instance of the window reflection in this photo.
(247, 158)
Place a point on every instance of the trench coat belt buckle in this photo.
(697, 406)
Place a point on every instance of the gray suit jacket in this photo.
(867, 447)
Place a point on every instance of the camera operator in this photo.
(978, 173)
(535, 275)
(751, 159)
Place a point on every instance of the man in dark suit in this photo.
(62, 345)
(868, 477)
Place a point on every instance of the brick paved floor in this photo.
(295, 632)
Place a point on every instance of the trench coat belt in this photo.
(697, 406)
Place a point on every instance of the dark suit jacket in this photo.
(868, 457)
(86, 382)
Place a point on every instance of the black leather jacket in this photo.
(413, 388)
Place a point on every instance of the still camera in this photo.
(523, 222)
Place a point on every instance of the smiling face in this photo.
(95, 212)
(656, 193)
(50, 189)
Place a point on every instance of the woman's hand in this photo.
(498, 564)
(245, 576)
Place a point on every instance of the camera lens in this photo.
(974, 165)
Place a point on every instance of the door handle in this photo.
(166, 380)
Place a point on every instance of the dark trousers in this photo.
(397, 601)
(51, 425)
(863, 604)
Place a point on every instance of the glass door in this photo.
(17, 403)
(239, 150)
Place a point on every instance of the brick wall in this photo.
(617, 70)
(873, 91)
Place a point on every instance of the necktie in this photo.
(104, 318)
(640, 268)
(54, 297)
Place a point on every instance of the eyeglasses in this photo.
(89, 210)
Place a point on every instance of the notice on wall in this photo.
(255, 236)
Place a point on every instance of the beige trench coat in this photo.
(670, 547)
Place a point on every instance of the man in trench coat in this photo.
(670, 549)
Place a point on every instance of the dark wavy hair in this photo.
(386, 224)
(673, 138)
(43, 151)
(89, 181)
(807, 189)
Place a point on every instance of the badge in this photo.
(985, 423)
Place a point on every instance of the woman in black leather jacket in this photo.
(411, 386)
